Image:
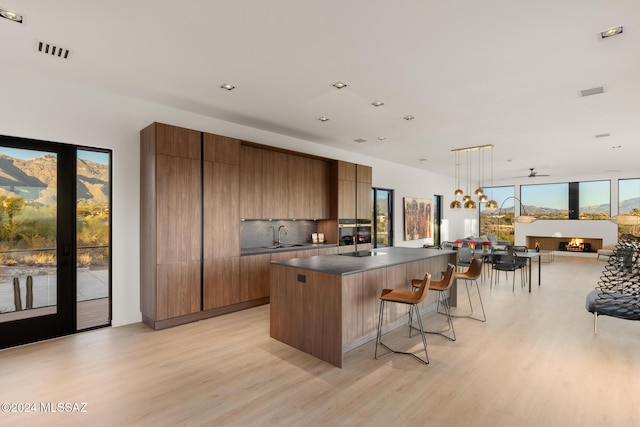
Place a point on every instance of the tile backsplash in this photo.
(255, 234)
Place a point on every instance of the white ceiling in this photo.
(506, 73)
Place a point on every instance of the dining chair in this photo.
(506, 261)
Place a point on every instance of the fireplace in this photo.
(569, 244)
(575, 245)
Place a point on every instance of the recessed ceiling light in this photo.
(377, 103)
(409, 117)
(382, 138)
(611, 32)
(339, 85)
(12, 16)
(227, 86)
(323, 119)
(360, 140)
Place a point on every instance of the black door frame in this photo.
(63, 322)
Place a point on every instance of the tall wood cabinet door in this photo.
(221, 223)
(254, 276)
(221, 280)
(177, 209)
(346, 199)
(300, 196)
(170, 240)
(177, 236)
(364, 204)
(275, 200)
(250, 182)
(319, 190)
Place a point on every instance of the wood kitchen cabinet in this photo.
(308, 189)
(319, 189)
(170, 187)
(254, 276)
(275, 185)
(354, 191)
(254, 271)
(250, 182)
(364, 201)
(221, 222)
(346, 190)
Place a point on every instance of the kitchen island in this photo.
(328, 305)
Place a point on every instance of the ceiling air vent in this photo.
(53, 50)
(592, 91)
(602, 135)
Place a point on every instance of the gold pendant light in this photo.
(467, 200)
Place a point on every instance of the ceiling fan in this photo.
(532, 174)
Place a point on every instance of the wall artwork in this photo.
(418, 218)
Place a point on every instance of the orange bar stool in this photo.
(441, 287)
(471, 276)
(412, 299)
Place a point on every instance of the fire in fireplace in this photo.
(575, 245)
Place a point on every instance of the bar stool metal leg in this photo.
(412, 308)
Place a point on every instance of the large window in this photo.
(590, 200)
(594, 200)
(498, 222)
(546, 201)
(628, 204)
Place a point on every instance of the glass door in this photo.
(37, 223)
(383, 217)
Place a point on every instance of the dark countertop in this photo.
(287, 248)
(380, 258)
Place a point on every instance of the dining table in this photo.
(528, 256)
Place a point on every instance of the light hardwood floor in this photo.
(535, 362)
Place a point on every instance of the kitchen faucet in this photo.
(285, 233)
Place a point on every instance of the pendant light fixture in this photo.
(468, 201)
(491, 205)
(455, 204)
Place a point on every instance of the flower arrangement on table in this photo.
(486, 246)
(472, 245)
(458, 243)
(537, 246)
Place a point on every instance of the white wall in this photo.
(605, 230)
(41, 108)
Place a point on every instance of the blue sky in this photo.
(546, 196)
(628, 188)
(555, 196)
(101, 158)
